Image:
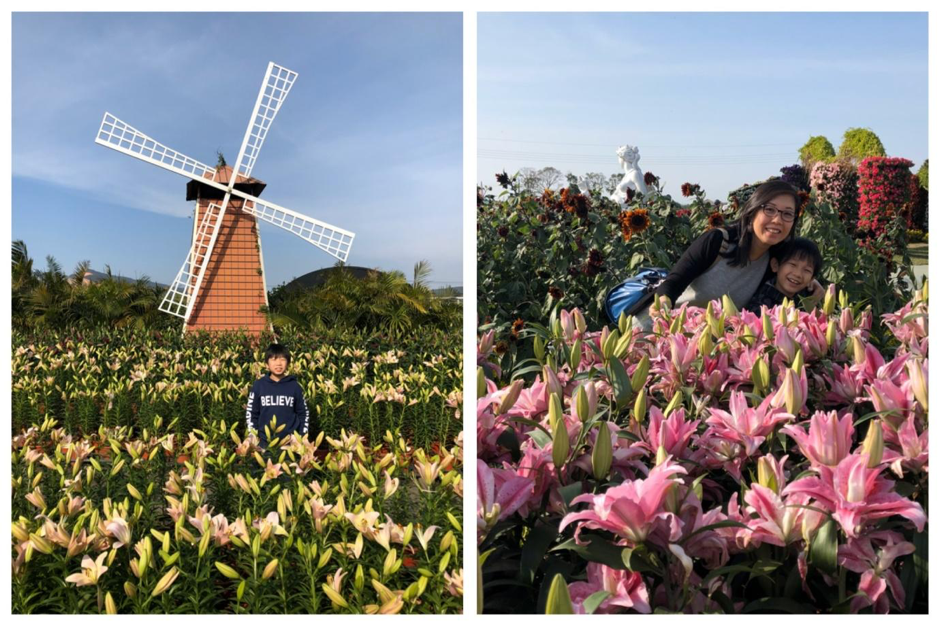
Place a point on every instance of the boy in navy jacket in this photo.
(277, 395)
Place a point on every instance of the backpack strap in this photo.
(725, 246)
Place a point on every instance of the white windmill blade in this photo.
(119, 136)
(200, 271)
(182, 291)
(274, 89)
(332, 239)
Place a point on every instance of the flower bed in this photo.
(727, 462)
(123, 377)
(158, 523)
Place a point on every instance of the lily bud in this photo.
(481, 383)
(586, 401)
(797, 364)
(728, 308)
(556, 329)
(609, 343)
(677, 322)
(843, 300)
(552, 384)
(760, 374)
(538, 346)
(830, 334)
(765, 475)
(924, 290)
(858, 349)
(555, 411)
(674, 404)
(560, 445)
(625, 324)
(602, 455)
(748, 336)
(638, 381)
(567, 325)
(639, 406)
(716, 327)
(579, 322)
(509, 400)
(269, 570)
(661, 455)
(130, 589)
(705, 344)
(846, 321)
(790, 393)
(359, 580)
(574, 359)
(829, 302)
(918, 375)
(874, 444)
(559, 600)
(782, 311)
(768, 326)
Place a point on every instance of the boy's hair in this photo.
(276, 349)
(801, 248)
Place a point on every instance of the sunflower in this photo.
(716, 220)
(639, 220)
(517, 327)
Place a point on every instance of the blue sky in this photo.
(718, 99)
(369, 138)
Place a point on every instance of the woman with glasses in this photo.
(734, 260)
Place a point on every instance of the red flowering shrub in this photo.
(884, 189)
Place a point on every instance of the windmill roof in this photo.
(224, 174)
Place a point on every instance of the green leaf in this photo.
(723, 524)
(536, 545)
(570, 492)
(596, 550)
(540, 437)
(594, 600)
(619, 382)
(777, 605)
(824, 548)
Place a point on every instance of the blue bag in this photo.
(634, 294)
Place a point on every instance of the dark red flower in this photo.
(649, 178)
(555, 292)
(503, 179)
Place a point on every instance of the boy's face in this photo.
(277, 365)
(793, 275)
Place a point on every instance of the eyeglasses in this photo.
(770, 211)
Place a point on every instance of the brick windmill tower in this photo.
(221, 284)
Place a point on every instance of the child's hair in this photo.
(801, 248)
(276, 349)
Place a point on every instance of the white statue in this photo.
(632, 177)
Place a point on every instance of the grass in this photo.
(918, 253)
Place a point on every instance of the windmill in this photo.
(221, 283)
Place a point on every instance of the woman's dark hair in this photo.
(276, 349)
(801, 249)
(740, 254)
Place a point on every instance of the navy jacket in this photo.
(284, 399)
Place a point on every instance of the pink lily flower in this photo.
(913, 453)
(627, 590)
(629, 509)
(775, 522)
(672, 433)
(745, 425)
(845, 386)
(829, 439)
(855, 495)
(792, 391)
(896, 400)
(532, 401)
(861, 556)
(500, 493)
